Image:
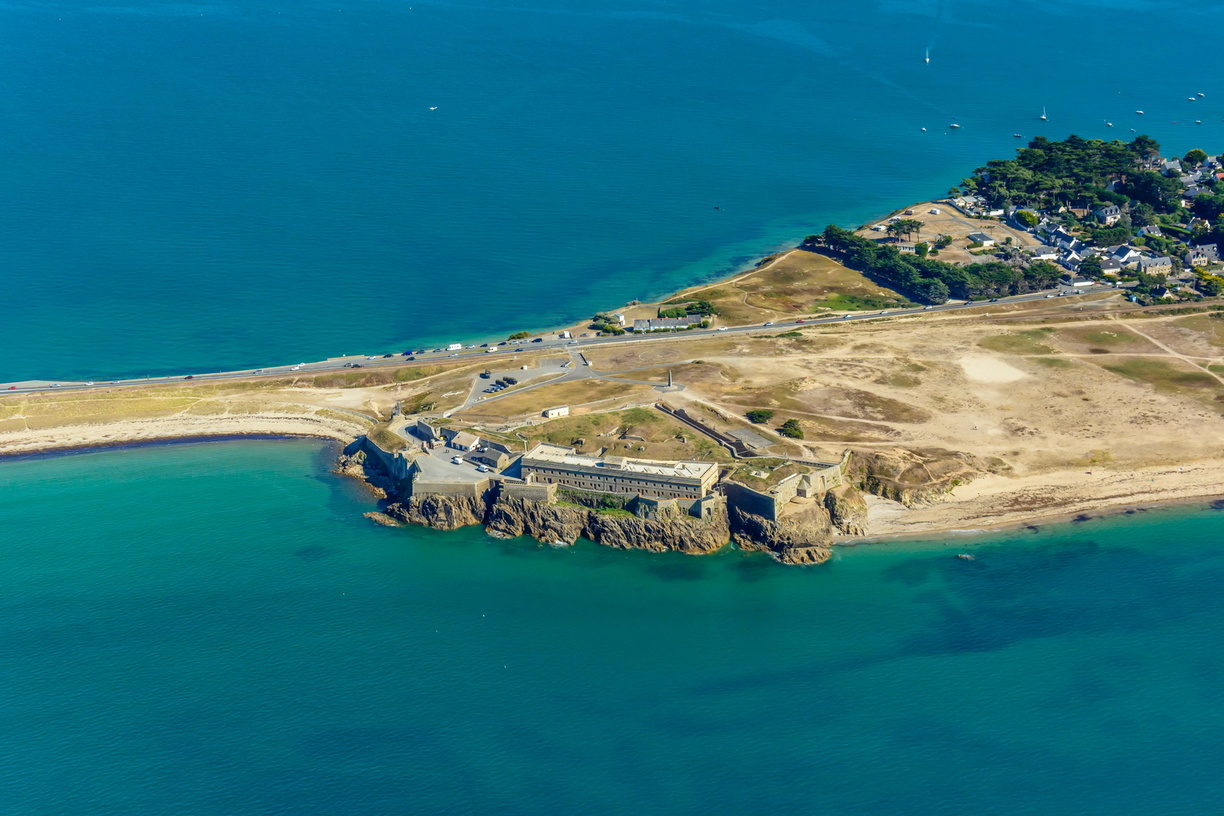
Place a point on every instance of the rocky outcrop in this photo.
(918, 476)
(800, 537)
(550, 523)
(439, 512)
(357, 464)
(847, 510)
(383, 519)
(564, 524)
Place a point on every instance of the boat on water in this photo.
(1139, 112)
(954, 126)
(1017, 135)
(928, 57)
(965, 556)
(1043, 115)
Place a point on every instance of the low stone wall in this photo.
(396, 465)
(467, 490)
(530, 492)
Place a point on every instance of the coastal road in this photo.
(473, 353)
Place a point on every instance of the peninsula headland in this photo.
(1032, 349)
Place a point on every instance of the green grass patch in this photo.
(861, 303)
(1024, 342)
(1053, 362)
(1163, 376)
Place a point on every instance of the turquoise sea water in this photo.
(191, 187)
(214, 629)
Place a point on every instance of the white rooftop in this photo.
(561, 455)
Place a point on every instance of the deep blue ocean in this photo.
(192, 187)
(214, 628)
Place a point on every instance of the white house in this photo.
(553, 413)
(981, 238)
(465, 441)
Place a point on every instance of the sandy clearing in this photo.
(986, 369)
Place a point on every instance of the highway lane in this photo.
(512, 348)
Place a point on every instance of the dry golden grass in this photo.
(793, 284)
(575, 394)
(642, 432)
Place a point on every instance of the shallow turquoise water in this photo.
(214, 629)
(191, 187)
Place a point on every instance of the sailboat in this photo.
(1043, 114)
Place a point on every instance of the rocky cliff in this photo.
(564, 524)
(847, 510)
(439, 512)
(800, 537)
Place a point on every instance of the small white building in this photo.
(465, 441)
(553, 413)
(981, 238)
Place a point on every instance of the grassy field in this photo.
(576, 393)
(643, 432)
(1168, 377)
(796, 283)
(1097, 340)
(1020, 342)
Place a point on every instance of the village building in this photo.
(1159, 263)
(1110, 214)
(666, 323)
(981, 238)
(553, 413)
(562, 466)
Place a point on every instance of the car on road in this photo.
(927, 308)
(385, 356)
(453, 354)
(538, 340)
(847, 316)
(883, 311)
(259, 371)
(1049, 296)
(55, 385)
(89, 383)
(189, 377)
(797, 322)
(722, 328)
(12, 388)
(770, 323)
(520, 348)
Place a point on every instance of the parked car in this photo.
(722, 328)
(538, 340)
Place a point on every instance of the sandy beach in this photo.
(121, 432)
(1000, 502)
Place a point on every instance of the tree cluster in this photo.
(928, 280)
